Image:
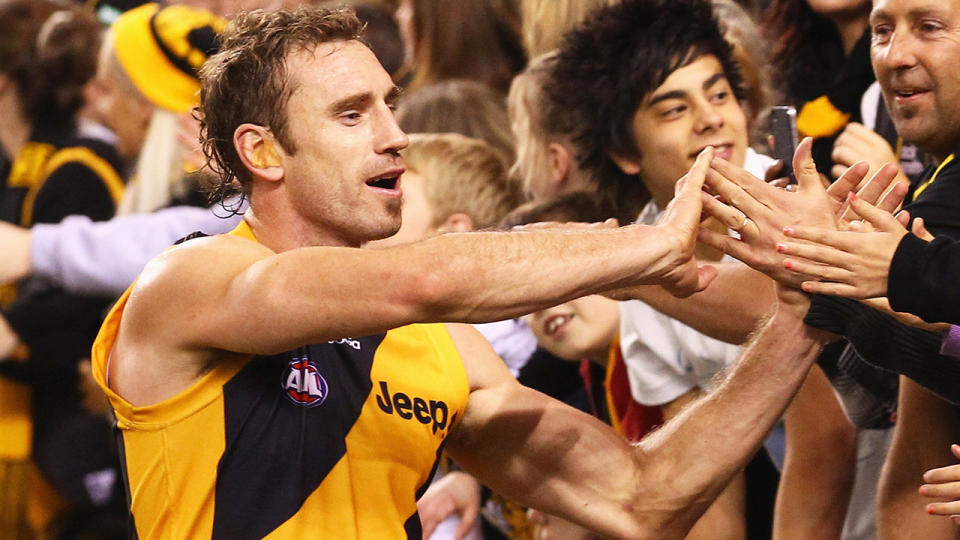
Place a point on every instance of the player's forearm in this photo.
(729, 310)
(569, 264)
(689, 461)
(318, 294)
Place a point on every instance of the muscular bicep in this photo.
(230, 294)
(538, 451)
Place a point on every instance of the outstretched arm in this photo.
(548, 456)
(235, 288)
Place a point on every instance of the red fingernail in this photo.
(788, 231)
(853, 196)
(781, 248)
(788, 264)
(930, 509)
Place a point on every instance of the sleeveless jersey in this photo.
(331, 440)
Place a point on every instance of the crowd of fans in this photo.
(524, 112)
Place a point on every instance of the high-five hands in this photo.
(678, 226)
(760, 212)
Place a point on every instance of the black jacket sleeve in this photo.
(925, 279)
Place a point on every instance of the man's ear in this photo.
(456, 222)
(259, 151)
(629, 165)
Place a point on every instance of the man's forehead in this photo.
(332, 59)
(337, 66)
(886, 8)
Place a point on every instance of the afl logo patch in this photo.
(303, 384)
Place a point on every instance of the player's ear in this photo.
(259, 151)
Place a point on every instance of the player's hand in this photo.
(456, 493)
(678, 226)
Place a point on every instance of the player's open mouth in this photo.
(389, 182)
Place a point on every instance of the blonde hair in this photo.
(545, 21)
(535, 118)
(462, 106)
(462, 175)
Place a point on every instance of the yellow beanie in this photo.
(162, 48)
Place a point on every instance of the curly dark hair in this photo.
(48, 48)
(609, 63)
(246, 81)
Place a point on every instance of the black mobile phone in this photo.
(783, 124)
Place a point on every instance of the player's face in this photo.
(581, 328)
(694, 107)
(914, 50)
(343, 179)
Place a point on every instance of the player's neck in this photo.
(286, 230)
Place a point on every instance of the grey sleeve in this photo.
(105, 257)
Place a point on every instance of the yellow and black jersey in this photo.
(331, 440)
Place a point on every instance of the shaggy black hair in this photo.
(608, 64)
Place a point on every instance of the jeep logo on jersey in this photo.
(426, 412)
(303, 384)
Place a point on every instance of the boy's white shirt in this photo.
(665, 358)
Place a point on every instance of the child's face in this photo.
(581, 328)
(693, 108)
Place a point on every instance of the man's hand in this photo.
(760, 212)
(678, 226)
(853, 264)
(858, 143)
(456, 493)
